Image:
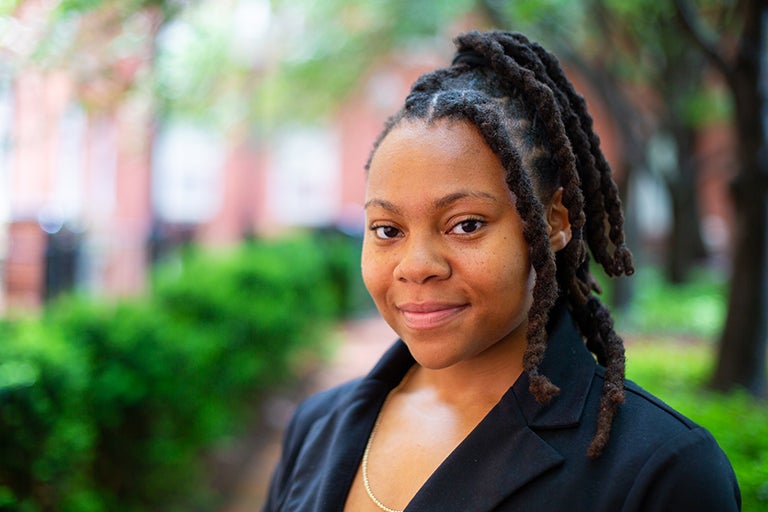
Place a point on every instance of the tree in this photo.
(674, 71)
(636, 47)
(742, 349)
(625, 48)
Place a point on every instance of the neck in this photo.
(478, 382)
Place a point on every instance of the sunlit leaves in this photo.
(126, 7)
(8, 6)
(327, 46)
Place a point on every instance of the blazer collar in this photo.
(502, 454)
(347, 430)
(567, 363)
(499, 457)
(570, 366)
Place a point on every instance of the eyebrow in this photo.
(462, 194)
(382, 204)
(439, 203)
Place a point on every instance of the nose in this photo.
(421, 259)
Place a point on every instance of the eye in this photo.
(467, 226)
(385, 232)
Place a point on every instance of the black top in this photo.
(523, 456)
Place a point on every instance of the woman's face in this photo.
(444, 256)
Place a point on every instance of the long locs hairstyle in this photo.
(517, 95)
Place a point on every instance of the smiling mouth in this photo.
(429, 316)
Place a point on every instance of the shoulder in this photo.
(318, 406)
(648, 410)
(310, 412)
(690, 464)
(646, 424)
(674, 458)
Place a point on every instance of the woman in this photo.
(483, 194)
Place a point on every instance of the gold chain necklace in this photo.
(366, 480)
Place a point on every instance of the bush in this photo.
(45, 437)
(110, 406)
(696, 308)
(676, 372)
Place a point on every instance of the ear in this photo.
(558, 224)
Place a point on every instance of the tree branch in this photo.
(495, 13)
(690, 22)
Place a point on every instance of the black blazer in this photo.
(523, 456)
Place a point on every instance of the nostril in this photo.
(422, 264)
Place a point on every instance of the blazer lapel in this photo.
(501, 455)
(504, 452)
(346, 432)
(571, 367)
(340, 439)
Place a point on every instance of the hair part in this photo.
(529, 114)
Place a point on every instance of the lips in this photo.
(429, 315)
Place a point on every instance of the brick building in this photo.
(89, 196)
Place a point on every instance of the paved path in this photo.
(360, 344)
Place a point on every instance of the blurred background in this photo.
(181, 188)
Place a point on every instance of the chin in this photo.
(431, 355)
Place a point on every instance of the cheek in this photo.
(368, 277)
(515, 278)
(372, 270)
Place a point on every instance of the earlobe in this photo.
(558, 223)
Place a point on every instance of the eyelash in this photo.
(376, 227)
(478, 222)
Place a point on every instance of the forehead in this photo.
(446, 138)
(434, 155)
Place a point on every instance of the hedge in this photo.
(110, 406)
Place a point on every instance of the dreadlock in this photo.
(518, 97)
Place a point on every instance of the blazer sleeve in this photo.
(688, 473)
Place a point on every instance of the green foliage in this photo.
(198, 73)
(542, 20)
(696, 308)
(109, 406)
(6, 8)
(298, 62)
(707, 107)
(44, 435)
(127, 7)
(326, 47)
(676, 371)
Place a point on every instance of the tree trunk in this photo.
(685, 246)
(742, 353)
